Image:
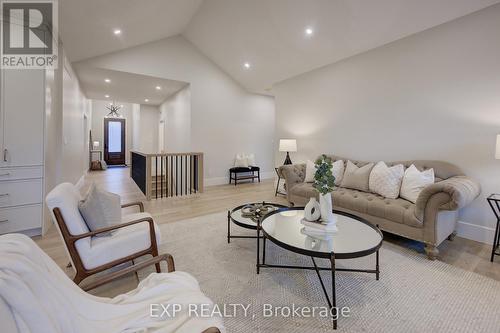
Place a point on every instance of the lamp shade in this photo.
(96, 144)
(497, 151)
(288, 145)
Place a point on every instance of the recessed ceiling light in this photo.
(246, 65)
(121, 105)
(107, 96)
(309, 31)
(158, 88)
(107, 80)
(146, 100)
(117, 31)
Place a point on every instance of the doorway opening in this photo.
(114, 141)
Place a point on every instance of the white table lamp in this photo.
(288, 145)
(497, 151)
(95, 145)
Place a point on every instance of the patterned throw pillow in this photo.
(338, 171)
(386, 181)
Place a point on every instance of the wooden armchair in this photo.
(137, 236)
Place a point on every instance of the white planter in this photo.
(312, 211)
(326, 207)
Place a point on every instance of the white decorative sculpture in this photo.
(312, 211)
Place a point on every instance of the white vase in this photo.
(326, 207)
(312, 211)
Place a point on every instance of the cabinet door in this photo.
(24, 109)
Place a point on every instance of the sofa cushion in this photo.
(385, 180)
(357, 177)
(396, 210)
(310, 171)
(338, 169)
(414, 181)
(305, 190)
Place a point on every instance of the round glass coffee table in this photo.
(355, 238)
(247, 216)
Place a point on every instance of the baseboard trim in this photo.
(225, 180)
(475, 232)
(80, 181)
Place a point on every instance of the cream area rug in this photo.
(413, 294)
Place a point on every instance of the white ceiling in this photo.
(269, 34)
(86, 26)
(125, 87)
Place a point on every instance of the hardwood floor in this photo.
(467, 254)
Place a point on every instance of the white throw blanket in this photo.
(43, 299)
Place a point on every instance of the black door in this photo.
(114, 141)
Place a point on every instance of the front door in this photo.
(114, 141)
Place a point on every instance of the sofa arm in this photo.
(293, 174)
(459, 191)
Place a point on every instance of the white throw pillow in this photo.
(251, 160)
(310, 171)
(414, 182)
(100, 209)
(338, 171)
(241, 161)
(386, 181)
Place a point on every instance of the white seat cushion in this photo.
(123, 242)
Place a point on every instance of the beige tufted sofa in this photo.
(430, 220)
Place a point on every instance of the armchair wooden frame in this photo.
(82, 273)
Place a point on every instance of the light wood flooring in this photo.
(467, 254)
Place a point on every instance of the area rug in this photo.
(413, 294)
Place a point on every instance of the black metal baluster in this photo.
(176, 175)
(156, 177)
(196, 174)
(171, 175)
(190, 174)
(161, 185)
(166, 176)
(186, 175)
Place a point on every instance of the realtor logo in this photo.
(29, 34)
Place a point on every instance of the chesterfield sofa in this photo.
(431, 220)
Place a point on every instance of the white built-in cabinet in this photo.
(22, 116)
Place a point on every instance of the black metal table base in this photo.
(229, 236)
(494, 203)
(332, 301)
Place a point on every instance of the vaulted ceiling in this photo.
(269, 35)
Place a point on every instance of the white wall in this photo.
(66, 152)
(176, 117)
(434, 95)
(76, 111)
(148, 124)
(99, 111)
(225, 119)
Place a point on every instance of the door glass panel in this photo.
(114, 137)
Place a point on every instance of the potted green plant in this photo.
(323, 183)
